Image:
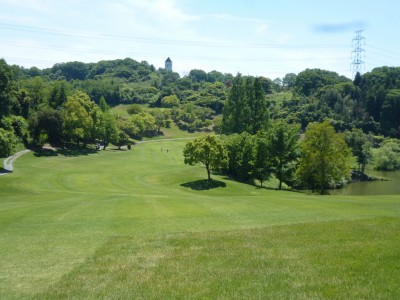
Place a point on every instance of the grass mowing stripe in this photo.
(295, 261)
(58, 213)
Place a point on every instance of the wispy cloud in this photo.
(228, 17)
(339, 27)
(34, 5)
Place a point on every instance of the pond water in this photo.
(392, 186)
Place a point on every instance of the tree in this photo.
(58, 93)
(246, 107)
(206, 150)
(8, 141)
(6, 85)
(259, 109)
(387, 158)
(323, 157)
(240, 150)
(390, 120)
(234, 108)
(198, 75)
(77, 116)
(360, 146)
(310, 80)
(284, 150)
(103, 104)
(262, 160)
(123, 139)
(37, 89)
(289, 80)
(109, 130)
(49, 121)
(170, 101)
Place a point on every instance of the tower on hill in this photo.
(168, 64)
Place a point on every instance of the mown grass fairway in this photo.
(134, 224)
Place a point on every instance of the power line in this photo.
(222, 44)
(184, 57)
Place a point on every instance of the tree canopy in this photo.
(206, 150)
(323, 161)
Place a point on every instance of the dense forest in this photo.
(68, 105)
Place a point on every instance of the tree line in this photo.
(68, 105)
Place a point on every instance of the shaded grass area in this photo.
(122, 224)
(204, 184)
(65, 152)
(335, 260)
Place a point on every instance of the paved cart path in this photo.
(8, 162)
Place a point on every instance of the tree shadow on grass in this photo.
(204, 184)
(45, 152)
(4, 171)
(65, 152)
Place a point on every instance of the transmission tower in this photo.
(357, 64)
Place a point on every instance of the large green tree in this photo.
(109, 129)
(360, 145)
(390, 115)
(262, 158)
(6, 85)
(240, 150)
(283, 150)
(206, 150)
(323, 161)
(246, 107)
(78, 122)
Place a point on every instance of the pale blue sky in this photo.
(268, 38)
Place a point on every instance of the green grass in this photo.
(141, 224)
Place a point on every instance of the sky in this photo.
(253, 37)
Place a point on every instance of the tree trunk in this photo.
(280, 184)
(208, 173)
(104, 144)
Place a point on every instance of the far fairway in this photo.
(141, 224)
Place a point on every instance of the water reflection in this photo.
(373, 187)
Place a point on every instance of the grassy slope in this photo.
(119, 224)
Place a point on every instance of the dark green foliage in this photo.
(390, 115)
(283, 150)
(198, 75)
(360, 145)
(289, 80)
(49, 121)
(58, 93)
(71, 70)
(241, 150)
(6, 79)
(310, 80)
(262, 158)
(245, 109)
(123, 139)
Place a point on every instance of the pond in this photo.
(389, 187)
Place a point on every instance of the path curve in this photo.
(8, 162)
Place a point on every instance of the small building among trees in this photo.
(168, 64)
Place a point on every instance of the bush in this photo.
(387, 158)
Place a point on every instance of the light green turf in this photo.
(119, 224)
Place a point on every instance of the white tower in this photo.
(168, 64)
